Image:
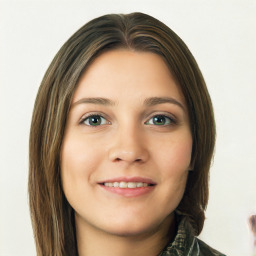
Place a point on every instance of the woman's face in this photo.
(127, 145)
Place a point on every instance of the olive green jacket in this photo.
(185, 244)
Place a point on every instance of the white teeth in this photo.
(115, 184)
(132, 185)
(139, 185)
(124, 184)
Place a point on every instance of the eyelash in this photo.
(172, 121)
(92, 115)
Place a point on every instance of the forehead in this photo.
(125, 73)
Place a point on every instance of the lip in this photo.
(129, 192)
(129, 179)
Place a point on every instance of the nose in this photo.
(129, 147)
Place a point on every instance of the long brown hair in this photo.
(52, 216)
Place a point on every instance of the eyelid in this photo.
(87, 115)
(163, 113)
(172, 118)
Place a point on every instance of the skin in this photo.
(126, 142)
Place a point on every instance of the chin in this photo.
(135, 226)
(128, 231)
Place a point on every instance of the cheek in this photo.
(78, 154)
(176, 155)
(77, 165)
(72, 159)
(174, 163)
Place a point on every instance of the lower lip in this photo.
(129, 192)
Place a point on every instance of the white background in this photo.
(222, 37)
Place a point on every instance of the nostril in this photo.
(120, 159)
(120, 155)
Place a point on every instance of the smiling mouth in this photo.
(124, 184)
(128, 186)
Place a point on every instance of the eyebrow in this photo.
(98, 101)
(161, 100)
(152, 101)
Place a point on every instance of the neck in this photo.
(93, 241)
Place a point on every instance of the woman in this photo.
(121, 142)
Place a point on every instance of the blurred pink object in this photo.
(252, 224)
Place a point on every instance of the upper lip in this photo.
(129, 179)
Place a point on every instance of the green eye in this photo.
(95, 120)
(160, 120)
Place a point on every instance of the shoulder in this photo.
(206, 250)
(186, 244)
